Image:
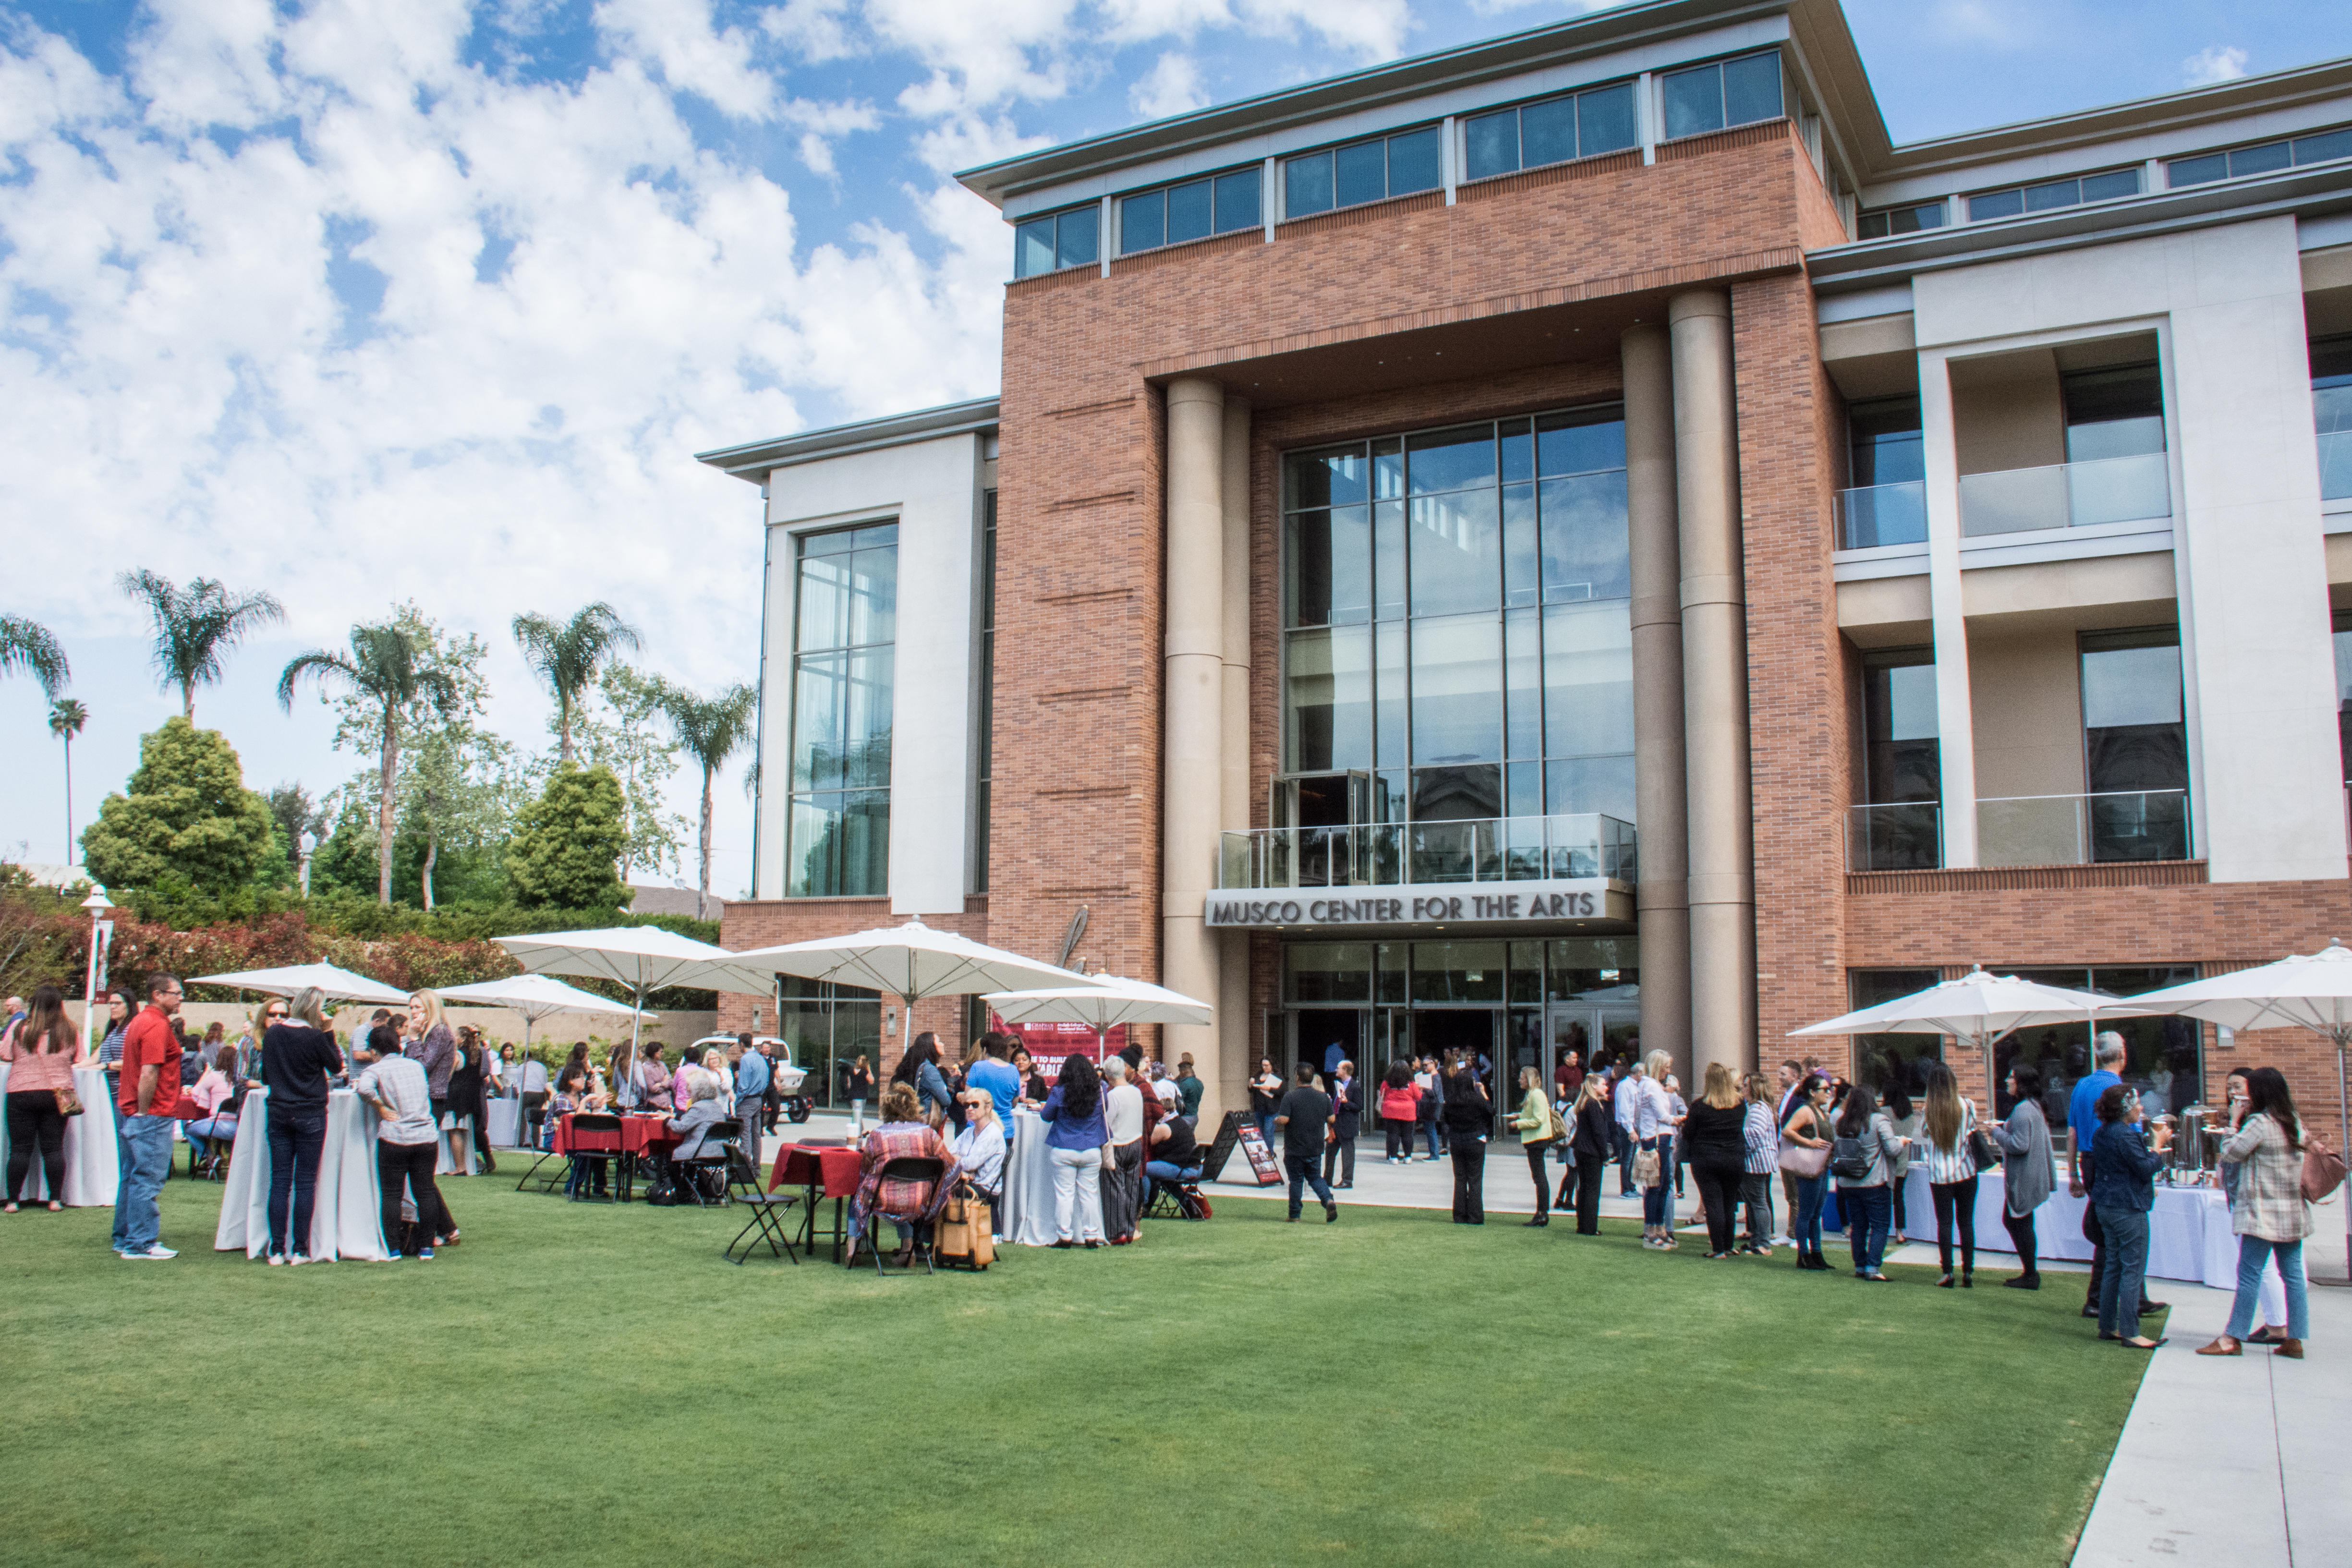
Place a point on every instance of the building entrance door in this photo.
(1325, 1036)
(1587, 1029)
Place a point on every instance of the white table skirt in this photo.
(1028, 1183)
(92, 1165)
(346, 1219)
(505, 1117)
(2189, 1230)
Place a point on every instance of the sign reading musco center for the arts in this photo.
(1432, 903)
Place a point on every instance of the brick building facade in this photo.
(1959, 742)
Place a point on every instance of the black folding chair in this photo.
(1168, 1199)
(767, 1217)
(906, 1168)
(718, 1152)
(553, 1164)
(596, 1136)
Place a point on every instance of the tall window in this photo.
(846, 623)
(987, 688)
(2344, 690)
(1456, 614)
(828, 1027)
(2331, 405)
(2136, 745)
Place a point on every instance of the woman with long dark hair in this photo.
(1805, 1153)
(2269, 1215)
(2024, 1144)
(41, 1057)
(919, 1070)
(1865, 1195)
(1469, 1119)
(468, 1107)
(1951, 1172)
(1076, 1134)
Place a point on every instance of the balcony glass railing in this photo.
(2083, 829)
(2067, 495)
(2335, 465)
(1905, 837)
(1883, 514)
(1390, 853)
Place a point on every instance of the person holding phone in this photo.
(2123, 1163)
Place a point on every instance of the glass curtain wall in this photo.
(844, 633)
(1899, 826)
(1456, 618)
(828, 1027)
(2164, 1061)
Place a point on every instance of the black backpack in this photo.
(1849, 1161)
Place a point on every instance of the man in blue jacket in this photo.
(751, 1075)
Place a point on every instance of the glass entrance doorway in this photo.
(1585, 1029)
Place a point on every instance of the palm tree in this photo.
(567, 656)
(28, 646)
(711, 730)
(66, 718)
(194, 627)
(383, 667)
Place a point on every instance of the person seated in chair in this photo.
(706, 1100)
(217, 1092)
(978, 1150)
(1174, 1158)
(910, 1206)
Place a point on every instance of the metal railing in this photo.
(2067, 495)
(2083, 829)
(1907, 835)
(1883, 514)
(1392, 853)
(2335, 465)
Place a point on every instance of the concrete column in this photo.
(1714, 684)
(1224, 1065)
(1193, 710)
(1659, 801)
(1956, 730)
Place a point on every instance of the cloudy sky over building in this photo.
(434, 301)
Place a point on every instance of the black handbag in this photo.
(1982, 1150)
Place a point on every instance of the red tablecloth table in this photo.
(642, 1138)
(823, 1172)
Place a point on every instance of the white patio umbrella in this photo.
(643, 958)
(1978, 1008)
(2310, 991)
(1105, 1007)
(535, 996)
(911, 961)
(339, 985)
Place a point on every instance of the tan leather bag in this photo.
(963, 1234)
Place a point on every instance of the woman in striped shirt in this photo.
(1951, 1172)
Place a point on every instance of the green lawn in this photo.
(592, 1384)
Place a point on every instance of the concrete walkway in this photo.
(2231, 1462)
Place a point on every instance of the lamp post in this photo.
(101, 933)
(308, 845)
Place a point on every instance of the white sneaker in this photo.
(157, 1251)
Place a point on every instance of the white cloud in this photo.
(676, 40)
(1171, 87)
(2215, 62)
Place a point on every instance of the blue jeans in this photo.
(1657, 1203)
(294, 1145)
(143, 1151)
(1307, 1168)
(1434, 1149)
(2253, 1253)
(1161, 1171)
(2120, 1286)
(1807, 1233)
(1268, 1130)
(1870, 1210)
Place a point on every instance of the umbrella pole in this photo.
(2341, 1040)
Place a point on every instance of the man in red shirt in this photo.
(148, 1101)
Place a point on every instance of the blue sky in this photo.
(363, 302)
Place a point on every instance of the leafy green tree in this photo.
(567, 843)
(194, 627)
(187, 817)
(567, 656)
(711, 730)
(66, 717)
(28, 646)
(619, 727)
(384, 670)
